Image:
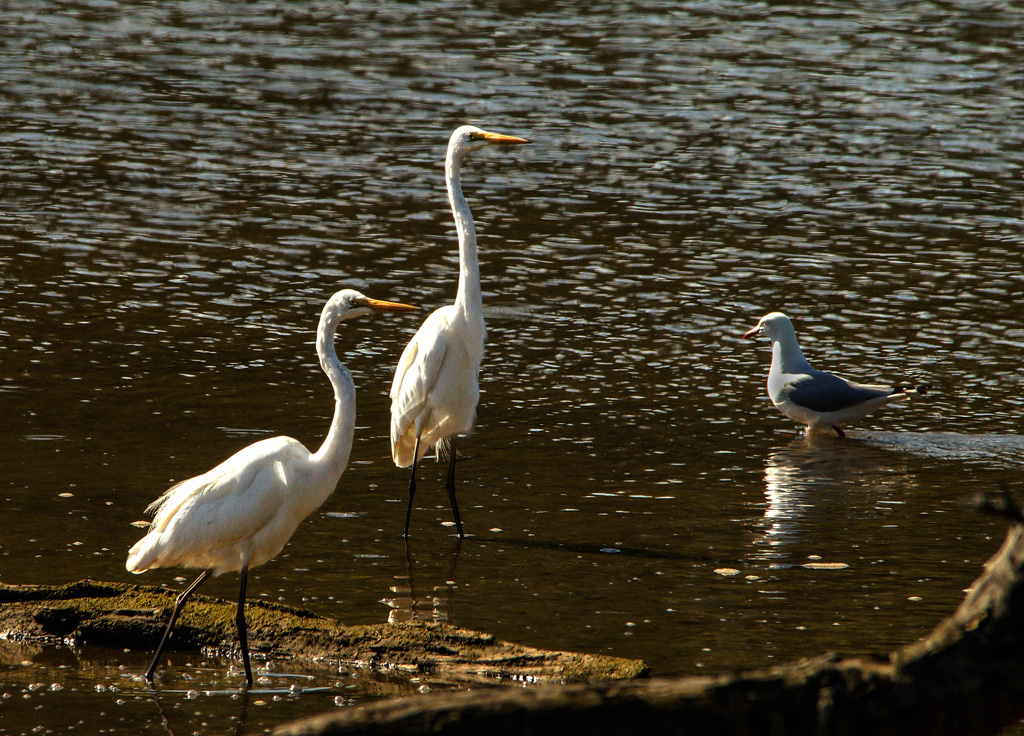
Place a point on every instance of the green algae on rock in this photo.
(124, 615)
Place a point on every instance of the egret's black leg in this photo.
(243, 628)
(179, 603)
(412, 485)
(839, 432)
(450, 485)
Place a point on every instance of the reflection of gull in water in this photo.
(812, 473)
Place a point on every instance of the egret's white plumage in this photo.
(435, 390)
(821, 401)
(239, 514)
(243, 512)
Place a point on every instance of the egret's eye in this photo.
(473, 137)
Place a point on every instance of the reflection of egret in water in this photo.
(810, 473)
(240, 722)
(406, 605)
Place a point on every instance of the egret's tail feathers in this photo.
(403, 450)
(141, 555)
(443, 449)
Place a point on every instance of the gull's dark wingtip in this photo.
(920, 389)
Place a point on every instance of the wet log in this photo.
(966, 677)
(122, 615)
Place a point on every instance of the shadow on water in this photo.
(1001, 450)
(595, 549)
(410, 599)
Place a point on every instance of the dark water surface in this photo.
(183, 184)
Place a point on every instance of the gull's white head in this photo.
(775, 325)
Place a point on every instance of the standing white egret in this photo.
(818, 399)
(436, 389)
(243, 512)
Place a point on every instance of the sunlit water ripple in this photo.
(183, 186)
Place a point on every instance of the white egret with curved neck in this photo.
(435, 391)
(242, 513)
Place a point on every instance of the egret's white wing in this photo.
(228, 504)
(415, 378)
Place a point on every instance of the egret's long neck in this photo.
(469, 296)
(337, 445)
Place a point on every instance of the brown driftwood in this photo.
(966, 677)
(89, 612)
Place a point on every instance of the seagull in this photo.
(820, 400)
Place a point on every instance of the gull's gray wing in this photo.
(825, 392)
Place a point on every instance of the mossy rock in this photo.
(122, 615)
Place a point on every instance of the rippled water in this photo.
(183, 185)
